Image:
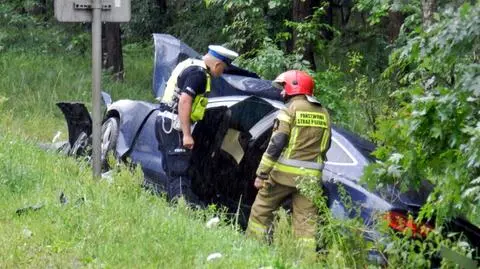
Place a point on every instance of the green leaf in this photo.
(465, 10)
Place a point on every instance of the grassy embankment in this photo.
(101, 224)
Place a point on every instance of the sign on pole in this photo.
(95, 11)
(81, 10)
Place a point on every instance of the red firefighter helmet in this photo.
(295, 82)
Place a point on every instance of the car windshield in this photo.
(364, 146)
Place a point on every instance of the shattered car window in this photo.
(247, 113)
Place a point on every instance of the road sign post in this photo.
(96, 85)
(95, 11)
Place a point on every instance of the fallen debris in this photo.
(27, 209)
(213, 256)
(27, 233)
(213, 222)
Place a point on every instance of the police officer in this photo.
(184, 103)
(297, 148)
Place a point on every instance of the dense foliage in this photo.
(434, 135)
(21, 21)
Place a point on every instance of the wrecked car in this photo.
(230, 141)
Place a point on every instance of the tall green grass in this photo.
(101, 224)
(31, 84)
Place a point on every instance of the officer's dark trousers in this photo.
(176, 161)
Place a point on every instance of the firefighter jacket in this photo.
(172, 91)
(299, 142)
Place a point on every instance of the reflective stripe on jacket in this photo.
(172, 92)
(299, 142)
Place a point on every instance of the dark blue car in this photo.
(230, 141)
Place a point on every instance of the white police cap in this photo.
(222, 53)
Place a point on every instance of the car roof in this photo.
(364, 147)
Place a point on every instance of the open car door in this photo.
(226, 153)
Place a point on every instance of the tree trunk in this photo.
(327, 34)
(38, 7)
(113, 61)
(428, 8)
(345, 11)
(301, 10)
(395, 22)
(162, 5)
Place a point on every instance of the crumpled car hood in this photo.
(170, 51)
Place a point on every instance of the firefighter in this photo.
(184, 103)
(297, 148)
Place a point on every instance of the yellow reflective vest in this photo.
(172, 92)
(299, 142)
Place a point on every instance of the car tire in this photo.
(110, 130)
(79, 146)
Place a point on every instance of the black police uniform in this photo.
(192, 81)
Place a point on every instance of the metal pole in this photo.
(96, 85)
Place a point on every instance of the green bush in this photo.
(434, 134)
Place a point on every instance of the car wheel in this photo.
(110, 132)
(79, 147)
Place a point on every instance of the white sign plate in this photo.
(80, 10)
